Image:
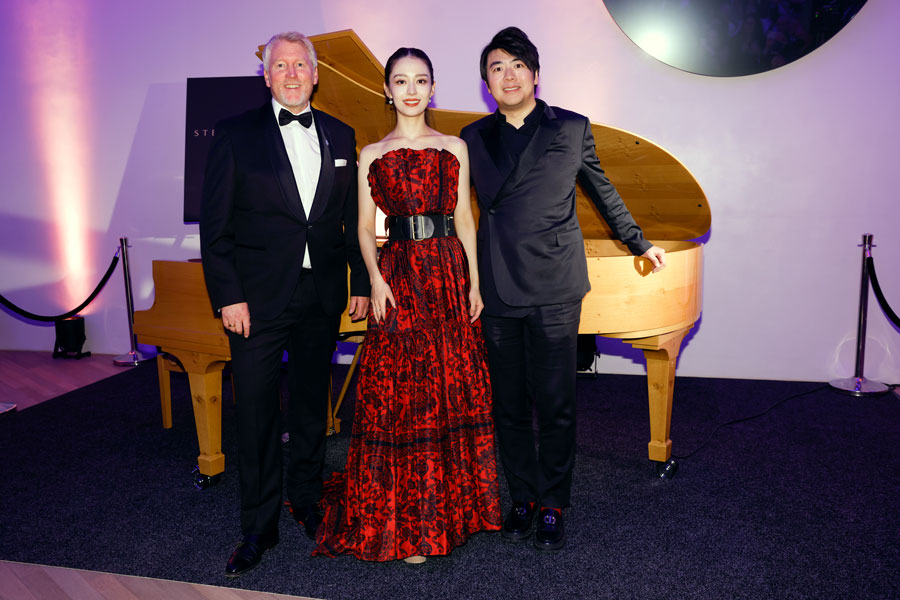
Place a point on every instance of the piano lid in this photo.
(660, 192)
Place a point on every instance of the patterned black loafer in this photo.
(551, 531)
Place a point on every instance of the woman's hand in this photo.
(476, 305)
(381, 296)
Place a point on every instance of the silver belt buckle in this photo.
(420, 228)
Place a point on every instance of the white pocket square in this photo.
(340, 162)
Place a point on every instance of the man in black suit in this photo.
(277, 231)
(525, 159)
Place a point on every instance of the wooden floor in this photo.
(21, 581)
(27, 378)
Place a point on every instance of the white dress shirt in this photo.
(302, 145)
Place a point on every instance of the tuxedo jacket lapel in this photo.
(326, 171)
(535, 149)
(500, 165)
(281, 165)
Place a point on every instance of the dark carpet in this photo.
(801, 502)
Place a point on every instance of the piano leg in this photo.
(334, 425)
(206, 396)
(661, 353)
(205, 378)
(163, 366)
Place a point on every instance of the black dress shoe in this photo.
(519, 522)
(551, 531)
(310, 517)
(248, 553)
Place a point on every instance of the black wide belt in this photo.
(421, 227)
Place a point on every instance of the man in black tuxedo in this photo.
(277, 231)
(525, 159)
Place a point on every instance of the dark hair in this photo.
(513, 41)
(403, 53)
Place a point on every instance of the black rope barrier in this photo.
(870, 264)
(74, 311)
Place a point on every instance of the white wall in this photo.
(797, 163)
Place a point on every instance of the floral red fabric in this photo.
(421, 473)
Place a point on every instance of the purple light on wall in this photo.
(55, 71)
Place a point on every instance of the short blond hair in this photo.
(293, 37)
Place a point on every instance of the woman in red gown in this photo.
(421, 473)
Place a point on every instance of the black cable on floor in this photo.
(742, 419)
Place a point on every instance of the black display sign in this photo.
(209, 100)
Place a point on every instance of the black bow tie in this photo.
(286, 116)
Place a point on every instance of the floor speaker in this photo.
(69, 338)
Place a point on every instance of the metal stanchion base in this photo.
(6, 407)
(133, 358)
(859, 386)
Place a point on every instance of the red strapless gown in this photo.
(421, 473)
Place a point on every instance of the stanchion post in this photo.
(858, 385)
(134, 357)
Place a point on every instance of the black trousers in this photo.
(308, 335)
(532, 365)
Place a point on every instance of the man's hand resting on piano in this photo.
(236, 318)
(657, 256)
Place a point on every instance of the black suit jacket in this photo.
(253, 229)
(530, 246)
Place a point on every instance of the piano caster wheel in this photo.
(667, 470)
(201, 481)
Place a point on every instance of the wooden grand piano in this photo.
(650, 312)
